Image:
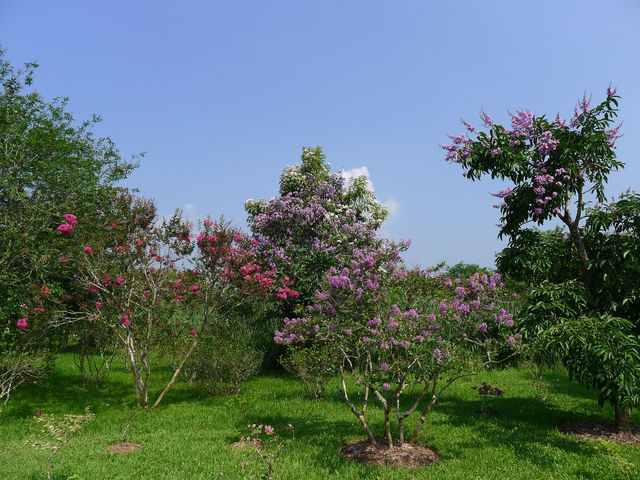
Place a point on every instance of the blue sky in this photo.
(222, 95)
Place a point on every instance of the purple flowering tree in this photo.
(390, 346)
(315, 223)
(556, 167)
(559, 170)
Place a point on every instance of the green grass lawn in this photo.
(187, 436)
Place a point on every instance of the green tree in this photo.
(49, 166)
(558, 171)
(465, 270)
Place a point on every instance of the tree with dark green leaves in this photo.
(50, 166)
(587, 278)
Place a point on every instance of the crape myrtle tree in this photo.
(315, 223)
(229, 280)
(393, 344)
(129, 282)
(133, 282)
(559, 171)
(49, 166)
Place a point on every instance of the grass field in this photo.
(187, 436)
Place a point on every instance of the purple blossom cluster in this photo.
(546, 143)
(315, 222)
(522, 124)
(403, 342)
(548, 188)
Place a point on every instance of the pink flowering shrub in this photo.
(127, 285)
(25, 345)
(227, 280)
(267, 446)
(390, 342)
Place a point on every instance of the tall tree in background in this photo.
(316, 223)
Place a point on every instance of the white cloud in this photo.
(357, 172)
(393, 206)
(190, 211)
(390, 203)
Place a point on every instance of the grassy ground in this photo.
(187, 436)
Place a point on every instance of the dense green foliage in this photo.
(557, 171)
(49, 166)
(601, 353)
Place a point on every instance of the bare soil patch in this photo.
(124, 447)
(603, 431)
(407, 456)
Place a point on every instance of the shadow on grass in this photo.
(522, 425)
(64, 389)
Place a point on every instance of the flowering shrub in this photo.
(55, 432)
(267, 446)
(127, 283)
(315, 223)
(485, 391)
(25, 345)
(391, 349)
(228, 284)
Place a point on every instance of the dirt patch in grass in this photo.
(407, 456)
(244, 444)
(603, 431)
(124, 447)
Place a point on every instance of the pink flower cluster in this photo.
(258, 429)
(67, 228)
(284, 290)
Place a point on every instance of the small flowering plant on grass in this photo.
(391, 346)
(485, 391)
(54, 432)
(267, 445)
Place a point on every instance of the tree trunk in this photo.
(176, 373)
(622, 418)
(387, 427)
(578, 242)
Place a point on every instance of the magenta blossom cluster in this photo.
(232, 258)
(67, 228)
